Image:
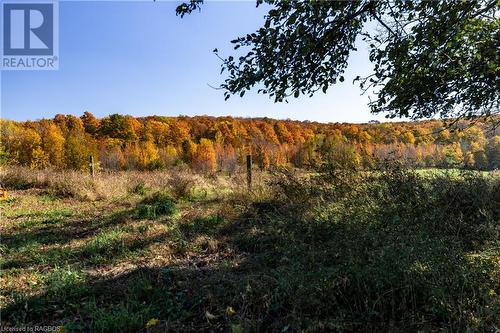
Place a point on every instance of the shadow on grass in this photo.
(48, 232)
(26, 244)
(288, 275)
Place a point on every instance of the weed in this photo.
(107, 244)
(203, 225)
(181, 185)
(158, 204)
(60, 280)
(140, 188)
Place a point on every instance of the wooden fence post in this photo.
(91, 166)
(249, 172)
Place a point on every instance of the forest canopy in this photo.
(209, 144)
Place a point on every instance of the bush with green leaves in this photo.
(156, 205)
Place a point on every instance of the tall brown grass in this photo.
(180, 183)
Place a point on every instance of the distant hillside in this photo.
(209, 144)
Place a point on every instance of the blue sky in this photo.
(139, 58)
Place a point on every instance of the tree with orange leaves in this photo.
(204, 158)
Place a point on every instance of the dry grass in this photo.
(65, 183)
(180, 183)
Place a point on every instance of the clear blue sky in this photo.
(138, 58)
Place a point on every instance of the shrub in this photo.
(158, 204)
(372, 250)
(139, 188)
(181, 185)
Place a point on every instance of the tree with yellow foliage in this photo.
(453, 155)
(39, 159)
(169, 156)
(204, 158)
(78, 147)
(149, 155)
(29, 145)
(53, 144)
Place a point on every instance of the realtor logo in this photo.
(29, 35)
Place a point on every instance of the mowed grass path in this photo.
(384, 252)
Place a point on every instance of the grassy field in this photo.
(395, 250)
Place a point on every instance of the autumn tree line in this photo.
(209, 144)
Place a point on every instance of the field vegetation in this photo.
(336, 250)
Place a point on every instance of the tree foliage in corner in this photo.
(430, 57)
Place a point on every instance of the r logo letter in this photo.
(36, 22)
(17, 29)
(28, 29)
